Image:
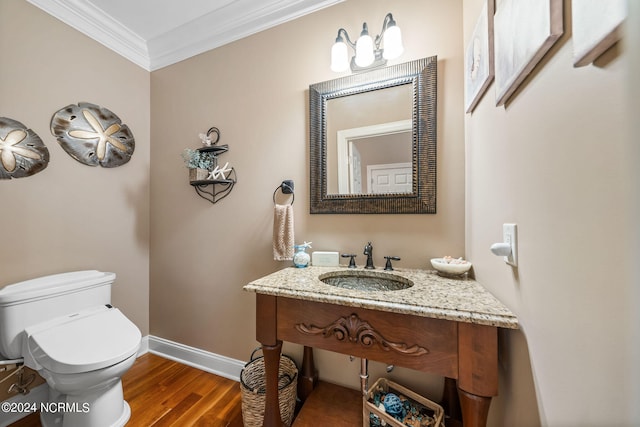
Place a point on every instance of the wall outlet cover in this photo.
(510, 236)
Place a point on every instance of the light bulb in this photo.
(364, 51)
(392, 43)
(339, 57)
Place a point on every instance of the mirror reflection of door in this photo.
(355, 170)
(381, 144)
(382, 113)
(389, 178)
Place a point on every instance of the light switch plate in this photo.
(510, 236)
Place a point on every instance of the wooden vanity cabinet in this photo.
(464, 353)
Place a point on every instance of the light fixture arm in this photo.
(346, 36)
(386, 23)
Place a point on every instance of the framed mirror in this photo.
(373, 141)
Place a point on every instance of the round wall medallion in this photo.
(22, 152)
(93, 135)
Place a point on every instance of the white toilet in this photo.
(65, 328)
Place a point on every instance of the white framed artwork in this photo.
(596, 27)
(525, 30)
(478, 60)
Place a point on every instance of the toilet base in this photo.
(100, 408)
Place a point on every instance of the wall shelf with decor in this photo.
(211, 181)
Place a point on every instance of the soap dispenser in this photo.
(301, 258)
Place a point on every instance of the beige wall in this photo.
(256, 91)
(555, 161)
(633, 245)
(71, 216)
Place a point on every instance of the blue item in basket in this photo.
(392, 404)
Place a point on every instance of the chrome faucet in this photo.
(368, 251)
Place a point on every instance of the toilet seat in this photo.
(89, 340)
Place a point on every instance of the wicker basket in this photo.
(389, 386)
(253, 387)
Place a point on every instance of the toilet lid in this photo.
(86, 341)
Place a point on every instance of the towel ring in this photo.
(287, 188)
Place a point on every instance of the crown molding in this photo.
(93, 22)
(235, 20)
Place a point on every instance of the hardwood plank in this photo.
(213, 399)
(198, 383)
(32, 420)
(225, 404)
(183, 406)
(144, 372)
(331, 405)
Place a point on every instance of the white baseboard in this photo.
(36, 396)
(200, 359)
(144, 346)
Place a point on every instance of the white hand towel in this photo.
(283, 240)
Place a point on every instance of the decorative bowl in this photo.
(451, 266)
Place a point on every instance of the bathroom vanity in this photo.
(444, 326)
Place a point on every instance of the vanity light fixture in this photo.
(368, 53)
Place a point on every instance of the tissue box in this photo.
(325, 259)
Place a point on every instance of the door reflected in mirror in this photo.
(369, 142)
(373, 159)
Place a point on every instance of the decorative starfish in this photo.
(104, 135)
(217, 172)
(9, 149)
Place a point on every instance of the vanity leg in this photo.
(450, 401)
(477, 371)
(266, 334)
(475, 409)
(308, 378)
(272, 417)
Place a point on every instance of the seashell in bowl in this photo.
(451, 266)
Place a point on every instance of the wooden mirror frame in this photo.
(422, 74)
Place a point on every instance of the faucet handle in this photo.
(388, 265)
(352, 261)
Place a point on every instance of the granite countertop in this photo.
(432, 295)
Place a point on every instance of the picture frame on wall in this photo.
(596, 27)
(524, 31)
(479, 61)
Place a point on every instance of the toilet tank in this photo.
(33, 301)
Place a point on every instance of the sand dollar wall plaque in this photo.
(93, 135)
(22, 152)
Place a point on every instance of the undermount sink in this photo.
(364, 280)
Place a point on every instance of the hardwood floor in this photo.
(162, 392)
(336, 406)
